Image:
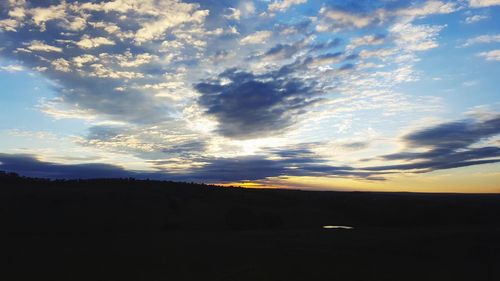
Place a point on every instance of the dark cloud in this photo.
(325, 45)
(296, 163)
(28, 165)
(282, 51)
(454, 134)
(103, 133)
(255, 105)
(449, 145)
(258, 167)
(187, 148)
(301, 27)
(358, 145)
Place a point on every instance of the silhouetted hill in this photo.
(127, 229)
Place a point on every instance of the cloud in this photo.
(482, 39)
(281, 51)
(282, 5)
(357, 145)
(8, 25)
(344, 19)
(365, 40)
(289, 161)
(41, 15)
(28, 165)
(61, 64)
(284, 51)
(475, 18)
(86, 42)
(155, 17)
(101, 56)
(448, 145)
(172, 83)
(163, 141)
(250, 106)
(428, 8)
(415, 37)
(233, 14)
(11, 68)
(325, 59)
(214, 170)
(259, 37)
(493, 55)
(457, 134)
(39, 46)
(483, 3)
(333, 19)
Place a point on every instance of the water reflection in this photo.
(337, 227)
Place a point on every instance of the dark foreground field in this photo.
(145, 230)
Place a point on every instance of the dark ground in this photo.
(147, 230)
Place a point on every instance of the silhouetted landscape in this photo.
(249, 140)
(127, 229)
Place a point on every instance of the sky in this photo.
(317, 95)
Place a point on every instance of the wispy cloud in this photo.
(483, 39)
(491, 55)
(483, 3)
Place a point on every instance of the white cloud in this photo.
(491, 55)
(113, 29)
(76, 24)
(18, 13)
(80, 61)
(86, 42)
(99, 70)
(336, 19)
(127, 59)
(284, 4)
(483, 3)
(61, 64)
(40, 46)
(42, 15)
(153, 18)
(475, 18)
(11, 68)
(247, 8)
(40, 68)
(55, 109)
(347, 19)
(161, 15)
(8, 25)
(470, 83)
(415, 37)
(483, 39)
(155, 29)
(233, 14)
(365, 40)
(258, 37)
(429, 8)
(380, 53)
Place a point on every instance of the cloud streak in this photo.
(448, 145)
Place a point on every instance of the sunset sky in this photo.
(327, 95)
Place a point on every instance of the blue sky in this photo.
(344, 95)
